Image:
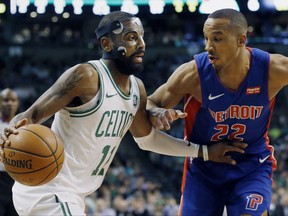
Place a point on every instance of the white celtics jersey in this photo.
(92, 133)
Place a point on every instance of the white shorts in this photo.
(32, 201)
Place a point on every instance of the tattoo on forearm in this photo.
(38, 114)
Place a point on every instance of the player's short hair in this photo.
(113, 16)
(237, 19)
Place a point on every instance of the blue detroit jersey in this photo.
(228, 115)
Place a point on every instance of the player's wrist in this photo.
(195, 149)
(203, 152)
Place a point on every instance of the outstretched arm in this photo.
(156, 141)
(162, 143)
(184, 81)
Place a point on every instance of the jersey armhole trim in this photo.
(98, 103)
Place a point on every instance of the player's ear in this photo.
(106, 44)
(242, 40)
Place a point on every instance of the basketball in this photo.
(35, 155)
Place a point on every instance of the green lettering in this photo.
(114, 134)
(107, 134)
(98, 133)
(119, 127)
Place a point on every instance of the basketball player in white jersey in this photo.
(95, 104)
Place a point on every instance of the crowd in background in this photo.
(138, 182)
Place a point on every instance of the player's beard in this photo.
(127, 66)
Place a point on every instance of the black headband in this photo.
(115, 27)
(108, 28)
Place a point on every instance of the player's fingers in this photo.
(7, 142)
(2, 144)
(2, 141)
(180, 114)
(21, 123)
(3, 137)
(173, 115)
(234, 149)
(5, 134)
(2, 156)
(170, 115)
(157, 124)
(11, 129)
(165, 122)
(154, 122)
(240, 144)
(229, 160)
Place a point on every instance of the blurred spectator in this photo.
(171, 207)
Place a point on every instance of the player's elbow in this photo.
(146, 142)
(143, 146)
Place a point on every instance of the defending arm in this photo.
(162, 143)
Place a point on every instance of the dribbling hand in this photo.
(10, 129)
(163, 117)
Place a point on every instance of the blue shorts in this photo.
(208, 188)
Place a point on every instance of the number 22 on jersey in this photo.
(223, 129)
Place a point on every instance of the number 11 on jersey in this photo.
(100, 168)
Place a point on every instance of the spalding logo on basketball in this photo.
(35, 155)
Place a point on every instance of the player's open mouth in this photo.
(212, 58)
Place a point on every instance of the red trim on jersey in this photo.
(185, 168)
(191, 107)
(268, 146)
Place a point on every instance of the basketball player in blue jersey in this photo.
(95, 104)
(229, 93)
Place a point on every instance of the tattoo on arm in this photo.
(38, 114)
(68, 85)
(60, 91)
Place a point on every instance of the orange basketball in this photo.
(35, 155)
